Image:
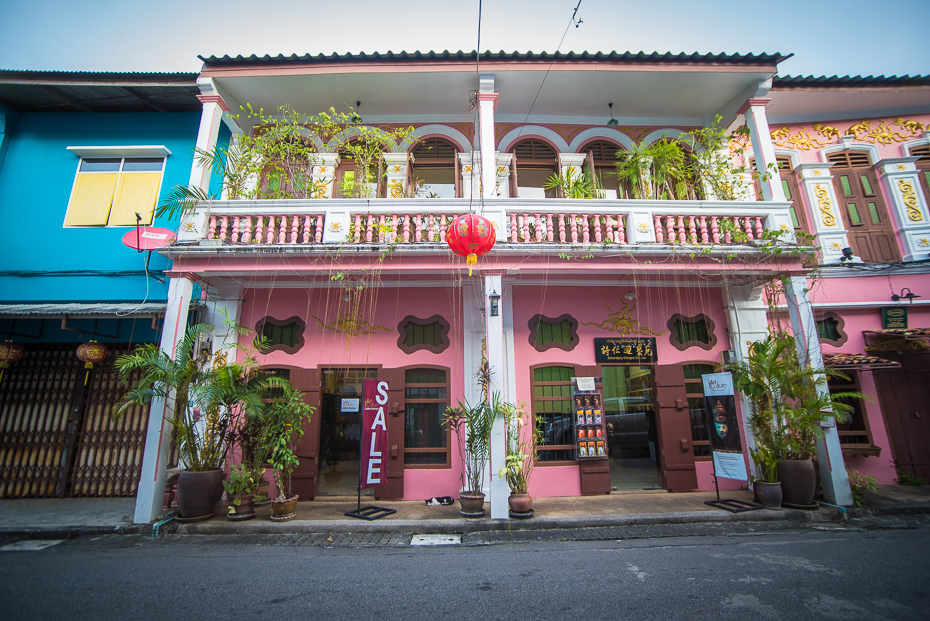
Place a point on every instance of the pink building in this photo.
(366, 286)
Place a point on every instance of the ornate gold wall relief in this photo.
(351, 324)
(910, 200)
(622, 322)
(884, 134)
(823, 203)
(801, 139)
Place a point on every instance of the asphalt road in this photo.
(812, 572)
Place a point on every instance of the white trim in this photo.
(660, 133)
(910, 144)
(457, 137)
(851, 145)
(532, 131)
(600, 132)
(120, 151)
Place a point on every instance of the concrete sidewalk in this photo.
(64, 518)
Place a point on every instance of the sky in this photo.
(828, 37)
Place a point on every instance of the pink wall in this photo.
(653, 307)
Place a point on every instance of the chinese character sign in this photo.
(621, 349)
(374, 432)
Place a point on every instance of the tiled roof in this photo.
(842, 361)
(103, 309)
(488, 56)
(903, 331)
(789, 82)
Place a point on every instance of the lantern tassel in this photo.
(471, 260)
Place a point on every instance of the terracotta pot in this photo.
(520, 503)
(246, 508)
(769, 494)
(198, 493)
(471, 505)
(798, 482)
(283, 510)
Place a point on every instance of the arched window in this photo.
(871, 235)
(534, 161)
(349, 182)
(435, 171)
(601, 163)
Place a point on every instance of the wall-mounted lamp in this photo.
(495, 303)
(612, 122)
(847, 254)
(909, 296)
(356, 117)
(728, 356)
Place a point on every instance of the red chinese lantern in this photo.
(471, 236)
(91, 352)
(9, 352)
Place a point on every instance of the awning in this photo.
(95, 310)
(842, 362)
(897, 339)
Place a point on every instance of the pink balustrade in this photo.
(523, 228)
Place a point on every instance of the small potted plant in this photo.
(522, 439)
(285, 417)
(472, 426)
(240, 486)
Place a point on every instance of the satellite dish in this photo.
(148, 238)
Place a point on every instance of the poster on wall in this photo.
(722, 427)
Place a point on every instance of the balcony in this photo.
(420, 223)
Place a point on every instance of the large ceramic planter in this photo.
(471, 505)
(198, 493)
(798, 482)
(521, 506)
(281, 511)
(769, 494)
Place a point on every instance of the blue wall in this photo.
(35, 185)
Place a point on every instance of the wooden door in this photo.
(676, 459)
(905, 399)
(304, 480)
(871, 235)
(923, 167)
(595, 474)
(393, 488)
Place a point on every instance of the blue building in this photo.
(81, 155)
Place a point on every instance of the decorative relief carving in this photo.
(397, 189)
(827, 131)
(923, 242)
(823, 203)
(884, 134)
(351, 324)
(835, 246)
(319, 188)
(643, 227)
(910, 200)
(800, 140)
(622, 322)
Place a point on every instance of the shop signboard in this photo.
(894, 317)
(639, 350)
(720, 409)
(374, 432)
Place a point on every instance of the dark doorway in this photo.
(340, 430)
(905, 398)
(632, 436)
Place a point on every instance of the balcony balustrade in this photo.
(412, 222)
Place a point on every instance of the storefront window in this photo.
(552, 409)
(695, 387)
(855, 436)
(426, 439)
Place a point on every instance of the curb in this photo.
(73, 532)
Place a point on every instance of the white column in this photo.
(151, 492)
(817, 187)
(763, 149)
(194, 226)
(499, 490)
(504, 162)
(487, 103)
(573, 162)
(833, 477)
(323, 175)
(746, 312)
(395, 165)
(900, 176)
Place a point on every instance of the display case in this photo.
(589, 420)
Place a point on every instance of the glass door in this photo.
(341, 430)
(632, 436)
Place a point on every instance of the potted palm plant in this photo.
(788, 405)
(522, 439)
(203, 395)
(471, 424)
(285, 417)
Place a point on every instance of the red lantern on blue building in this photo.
(471, 236)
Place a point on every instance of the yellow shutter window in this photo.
(91, 199)
(137, 192)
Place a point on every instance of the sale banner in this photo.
(374, 432)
